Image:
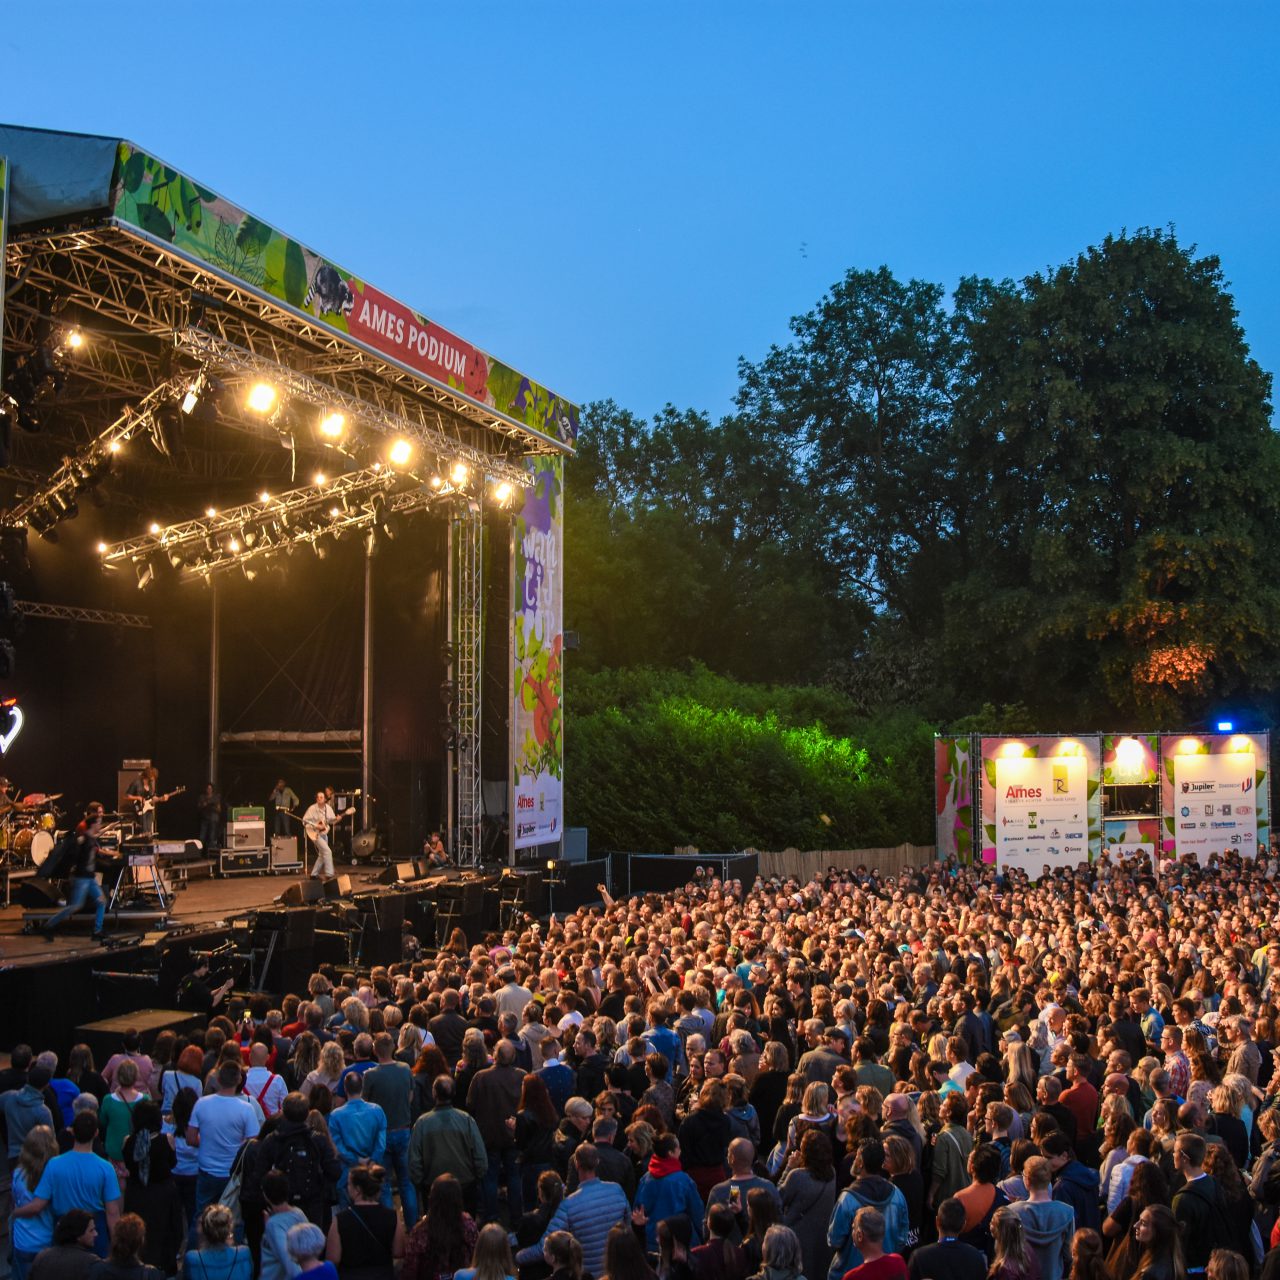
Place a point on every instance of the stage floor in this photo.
(200, 902)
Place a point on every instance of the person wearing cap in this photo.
(821, 1061)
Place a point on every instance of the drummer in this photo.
(7, 803)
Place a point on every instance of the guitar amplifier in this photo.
(284, 853)
(247, 834)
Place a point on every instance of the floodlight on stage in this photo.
(211, 512)
(115, 446)
(249, 573)
(459, 473)
(321, 479)
(335, 512)
(1226, 726)
(146, 574)
(233, 544)
(262, 397)
(74, 340)
(503, 491)
(332, 425)
(264, 496)
(437, 482)
(194, 392)
(102, 548)
(400, 453)
(153, 528)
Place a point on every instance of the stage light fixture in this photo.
(400, 453)
(176, 558)
(146, 574)
(1225, 726)
(211, 512)
(502, 491)
(264, 496)
(262, 397)
(115, 446)
(437, 482)
(194, 392)
(321, 479)
(320, 549)
(233, 544)
(74, 339)
(102, 548)
(332, 425)
(459, 473)
(335, 512)
(248, 536)
(249, 573)
(153, 529)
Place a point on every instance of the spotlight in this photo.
(146, 574)
(194, 392)
(503, 491)
(332, 425)
(248, 536)
(211, 512)
(459, 473)
(262, 397)
(264, 496)
(1225, 726)
(233, 544)
(321, 479)
(153, 529)
(400, 453)
(249, 573)
(74, 339)
(437, 482)
(115, 446)
(102, 548)
(320, 549)
(176, 558)
(334, 512)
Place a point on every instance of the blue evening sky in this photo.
(622, 198)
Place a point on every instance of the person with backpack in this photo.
(306, 1157)
(1199, 1206)
(220, 1124)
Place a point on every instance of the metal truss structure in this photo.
(73, 613)
(467, 624)
(153, 322)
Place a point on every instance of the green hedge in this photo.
(663, 758)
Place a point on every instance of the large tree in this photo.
(1122, 482)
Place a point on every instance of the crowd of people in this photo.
(949, 1074)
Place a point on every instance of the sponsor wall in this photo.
(1215, 794)
(953, 778)
(4, 222)
(1040, 802)
(537, 724)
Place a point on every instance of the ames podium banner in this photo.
(1216, 802)
(1041, 812)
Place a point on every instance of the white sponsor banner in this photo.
(1042, 812)
(1215, 805)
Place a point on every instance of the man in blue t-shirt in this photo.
(220, 1125)
(79, 1180)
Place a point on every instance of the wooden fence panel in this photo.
(804, 865)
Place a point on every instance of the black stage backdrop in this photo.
(290, 646)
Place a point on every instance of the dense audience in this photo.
(946, 1075)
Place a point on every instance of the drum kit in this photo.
(29, 830)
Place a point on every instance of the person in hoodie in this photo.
(24, 1108)
(869, 1189)
(664, 1191)
(1047, 1224)
(1073, 1183)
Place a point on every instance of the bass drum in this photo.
(22, 841)
(42, 843)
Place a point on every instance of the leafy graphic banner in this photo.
(537, 736)
(4, 224)
(169, 207)
(953, 779)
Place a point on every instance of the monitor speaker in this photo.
(297, 895)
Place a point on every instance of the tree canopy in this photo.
(1058, 493)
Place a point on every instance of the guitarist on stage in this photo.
(316, 822)
(142, 791)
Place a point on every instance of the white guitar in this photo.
(321, 828)
(147, 804)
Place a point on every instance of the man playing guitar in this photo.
(142, 794)
(317, 822)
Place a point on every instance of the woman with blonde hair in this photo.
(492, 1259)
(1013, 1259)
(329, 1071)
(33, 1233)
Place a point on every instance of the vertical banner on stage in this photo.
(537, 722)
(1216, 794)
(1041, 803)
(953, 786)
(4, 231)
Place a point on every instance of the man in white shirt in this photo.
(316, 822)
(511, 996)
(263, 1084)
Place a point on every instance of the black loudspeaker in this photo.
(36, 894)
(398, 871)
(468, 896)
(420, 914)
(296, 895)
(295, 928)
(333, 947)
(337, 887)
(387, 909)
